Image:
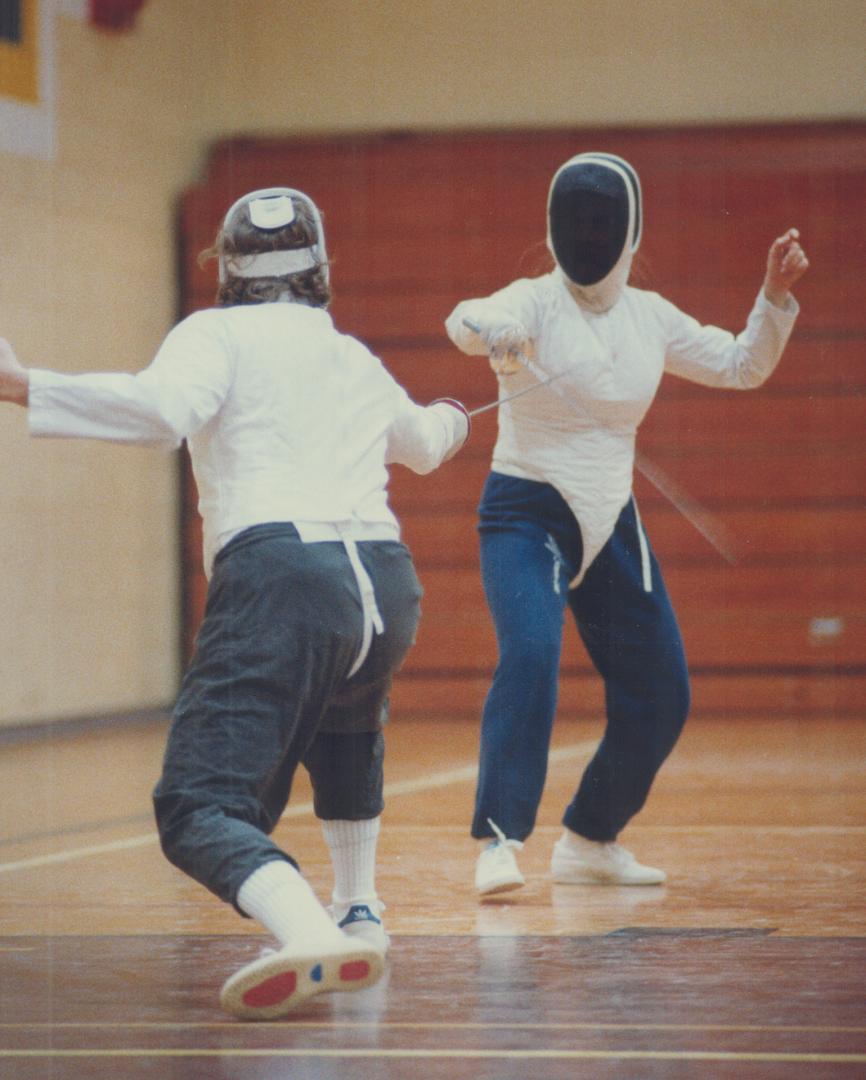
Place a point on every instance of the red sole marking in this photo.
(271, 991)
(354, 970)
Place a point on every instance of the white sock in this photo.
(353, 854)
(283, 902)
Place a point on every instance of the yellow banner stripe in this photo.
(19, 61)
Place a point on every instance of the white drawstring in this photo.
(553, 548)
(369, 608)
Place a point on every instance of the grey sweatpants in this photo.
(268, 689)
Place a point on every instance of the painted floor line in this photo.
(398, 787)
(418, 1025)
(499, 1055)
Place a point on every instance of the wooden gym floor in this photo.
(749, 963)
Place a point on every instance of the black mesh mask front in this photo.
(588, 218)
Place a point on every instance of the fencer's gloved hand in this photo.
(480, 327)
(457, 420)
(504, 343)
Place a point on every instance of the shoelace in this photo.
(502, 841)
(497, 832)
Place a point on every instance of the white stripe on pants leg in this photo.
(645, 566)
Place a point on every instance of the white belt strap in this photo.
(370, 610)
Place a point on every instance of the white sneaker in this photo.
(280, 981)
(577, 861)
(496, 870)
(362, 921)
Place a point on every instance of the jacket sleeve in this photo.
(169, 401)
(715, 357)
(514, 306)
(423, 437)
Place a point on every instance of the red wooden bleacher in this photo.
(416, 222)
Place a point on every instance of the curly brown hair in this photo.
(243, 238)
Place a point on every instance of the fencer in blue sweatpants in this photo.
(559, 525)
(530, 549)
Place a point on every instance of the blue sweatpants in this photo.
(530, 549)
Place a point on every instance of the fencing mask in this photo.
(594, 220)
(253, 233)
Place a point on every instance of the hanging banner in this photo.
(19, 25)
(27, 77)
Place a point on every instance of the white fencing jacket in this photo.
(579, 433)
(286, 420)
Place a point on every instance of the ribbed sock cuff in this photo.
(353, 855)
(282, 901)
(345, 833)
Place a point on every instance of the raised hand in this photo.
(14, 380)
(786, 264)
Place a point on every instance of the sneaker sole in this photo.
(275, 985)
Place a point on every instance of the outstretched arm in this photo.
(417, 436)
(160, 406)
(786, 264)
(498, 326)
(14, 377)
(422, 438)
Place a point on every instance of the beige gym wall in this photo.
(89, 549)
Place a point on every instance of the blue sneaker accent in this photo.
(358, 913)
(316, 973)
